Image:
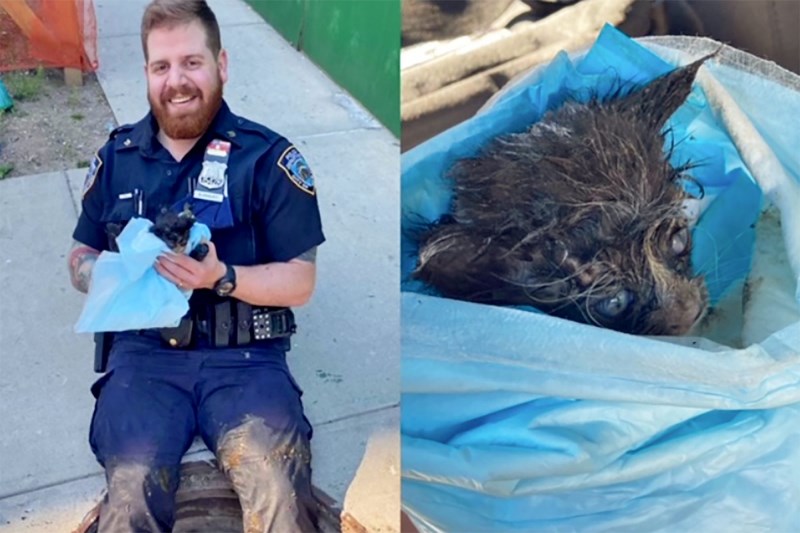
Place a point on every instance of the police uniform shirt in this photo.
(273, 213)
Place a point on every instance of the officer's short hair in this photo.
(170, 13)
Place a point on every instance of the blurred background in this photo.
(457, 53)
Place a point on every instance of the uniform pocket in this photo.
(294, 383)
(121, 211)
(98, 385)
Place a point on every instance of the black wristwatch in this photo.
(227, 283)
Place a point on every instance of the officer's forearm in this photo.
(81, 262)
(287, 284)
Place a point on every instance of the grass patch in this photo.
(25, 85)
(5, 170)
(77, 116)
(83, 164)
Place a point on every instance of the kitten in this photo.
(173, 228)
(580, 216)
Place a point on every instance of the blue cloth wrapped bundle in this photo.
(513, 420)
(127, 293)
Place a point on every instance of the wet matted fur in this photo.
(581, 216)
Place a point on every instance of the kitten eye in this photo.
(616, 305)
(680, 241)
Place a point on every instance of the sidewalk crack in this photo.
(71, 194)
(356, 415)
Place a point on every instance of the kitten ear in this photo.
(660, 98)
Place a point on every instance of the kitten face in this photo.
(173, 228)
(637, 283)
(580, 216)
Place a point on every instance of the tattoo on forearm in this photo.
(81, 263)
(309, 255)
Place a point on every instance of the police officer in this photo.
(224, 375)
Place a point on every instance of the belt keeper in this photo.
(244, 320)
(280, 323)
(222, 324)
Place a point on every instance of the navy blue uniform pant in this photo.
(245, 405)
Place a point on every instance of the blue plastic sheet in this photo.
(127, 293)
(5, 99)
(518, 421)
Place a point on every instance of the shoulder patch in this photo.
(297, 170)
(91, 175)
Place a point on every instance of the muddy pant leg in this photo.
(271, 472)
(143, 423)
(140, 498)
(251, 416)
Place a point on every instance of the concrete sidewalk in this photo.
(346, 354)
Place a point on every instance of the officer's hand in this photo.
(187, 273)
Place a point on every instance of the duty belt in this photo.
(230, 323)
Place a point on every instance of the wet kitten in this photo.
(173, 228)
(580, 216)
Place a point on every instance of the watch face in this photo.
(226, 283)
(224, 288)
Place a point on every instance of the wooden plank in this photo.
(73, 77)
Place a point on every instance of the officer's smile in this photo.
(181, 99)
(180, 95)
(183, 102)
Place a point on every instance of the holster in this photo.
(181, 335)
(102, 348)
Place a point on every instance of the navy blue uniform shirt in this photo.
(270, 189)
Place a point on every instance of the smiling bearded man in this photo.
(222, 373)
(185, 103)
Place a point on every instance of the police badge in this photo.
(213, 174)
(212, 181)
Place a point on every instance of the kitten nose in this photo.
(693, 310)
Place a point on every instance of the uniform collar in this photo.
(223, 127)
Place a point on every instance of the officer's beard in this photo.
(187, 126)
